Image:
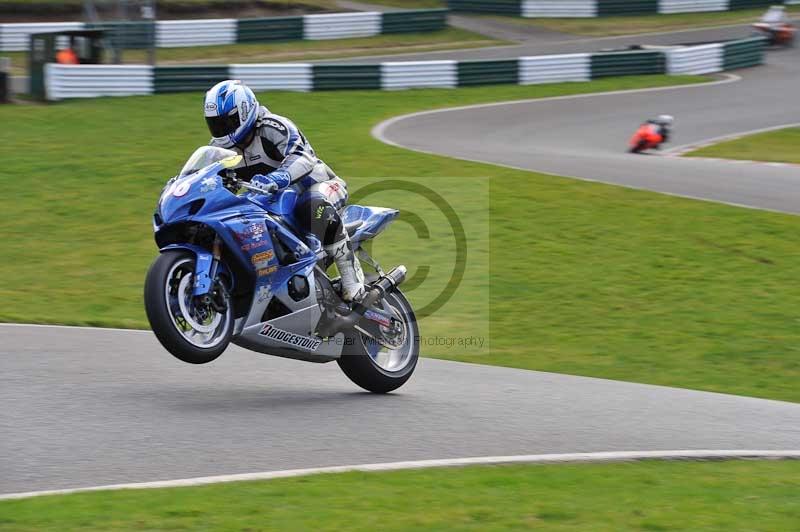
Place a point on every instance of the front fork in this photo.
(205, 273)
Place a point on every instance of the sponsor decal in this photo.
(254, 157)
(267, 271)
(208, 184)
(378, 318)
(250, 246)
(286, 337)
(264, 292)
(253, 233)
(274, 124)
(319, 211)
(261, 260)
(182, 188)
(211, 106)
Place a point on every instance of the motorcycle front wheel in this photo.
(191, 332)
(376, 367)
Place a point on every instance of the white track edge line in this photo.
(611, 456)
(77, 327)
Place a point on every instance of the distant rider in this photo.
(662, 126)
(776, 17)
(276, 154)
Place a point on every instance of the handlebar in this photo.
(252, 187)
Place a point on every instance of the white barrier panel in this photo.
(559, 8)
(555, 68)
(91, 81)
(691, 6)
(341, 25)
(278, 76)
(696, 60)
(414, 74)
(15, 37)
(178, 33)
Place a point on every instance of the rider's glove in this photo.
(273, 181)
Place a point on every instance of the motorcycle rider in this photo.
(276, 155)
(776, 17)
(662, 125)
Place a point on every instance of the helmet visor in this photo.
(222, 126)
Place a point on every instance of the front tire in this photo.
(190, 337)
(376, 368)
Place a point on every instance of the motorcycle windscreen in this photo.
(205, 156)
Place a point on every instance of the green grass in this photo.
(698, 496)
(447, 39)
(567, 276)
(609, 26)
(782, 146)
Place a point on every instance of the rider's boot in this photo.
(349, 268)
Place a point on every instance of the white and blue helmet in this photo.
(231, 110)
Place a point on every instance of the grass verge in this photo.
(779, 146)
(702, 496)
(567, 276)
(447, 39)
(610, 26)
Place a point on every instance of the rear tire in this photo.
(160, 296)
(366, 366)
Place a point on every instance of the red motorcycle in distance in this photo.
(651, 135)
(776, 27)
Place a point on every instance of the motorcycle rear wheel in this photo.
(168, 297)
(375, 367)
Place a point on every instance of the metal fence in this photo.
(86, 81)
(206, 32)
(600, 8)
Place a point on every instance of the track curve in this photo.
(87, 407)
(585, 136)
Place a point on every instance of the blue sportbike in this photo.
(235, 267)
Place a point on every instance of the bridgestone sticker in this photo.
(286, 337)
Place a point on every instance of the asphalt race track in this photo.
(87, 407)
(586, 137)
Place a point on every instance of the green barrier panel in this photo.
(498, 7)
(744, 53)
(188, 78)
(414, 21)
(750, 4)
(628, 64)
(5, 90)
(332, 77)
(626, 7)
(488, 72)
(269, 29)
(127, 35)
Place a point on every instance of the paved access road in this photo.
(85, 407)
(586, 137)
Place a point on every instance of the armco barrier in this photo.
(628, 63)
(332, 77)
(419, 74)
(99, 80)
(91, 81)
(494, 72)
(341, 25)
(554, 68)
(594, 8)
(559, 8)
(744, 53)
(278, 76)
(696, 60)
(413, 21)
(179, 33)
(269, 29)
(188, 78)
(205, 32)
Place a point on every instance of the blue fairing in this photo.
(246, 224)
(372, 220)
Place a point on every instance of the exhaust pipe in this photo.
(377, 290)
